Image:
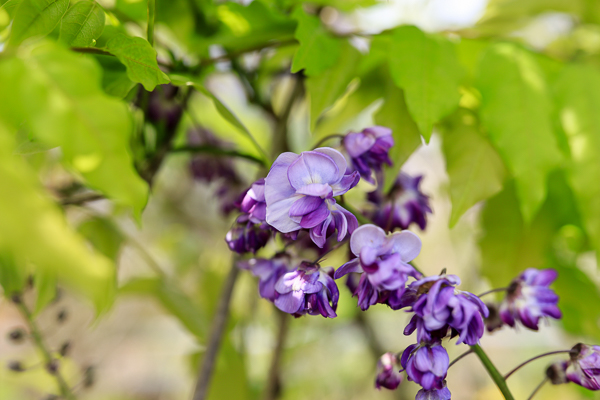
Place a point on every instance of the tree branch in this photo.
(273, 387)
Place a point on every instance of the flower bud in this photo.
(557, 372)
(584, 369)
(388, 375)
(17, 335)
(493, 321)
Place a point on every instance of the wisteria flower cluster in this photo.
(301, 201)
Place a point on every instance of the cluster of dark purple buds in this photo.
(369, 150)
(583, 368)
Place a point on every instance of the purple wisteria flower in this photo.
(439, 306)
(403, 205)
(250, 231)
(529, 298)
(369, 149)
(388, 375)
(268, 272)
(584, 368)
(434, 394)
(308, 290)
(426, 364)
(383, 262)
(299, 191)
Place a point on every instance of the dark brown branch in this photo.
(273, 386)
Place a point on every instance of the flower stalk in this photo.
(493, 372)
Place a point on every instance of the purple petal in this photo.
(312, 167)
(366, 235)
(322, 190)
(315, 217)
(358, 143)
(278, 215)
(305, 205)
(346, 183)
(407, 244)
(290, 302)
(350, 266)
(277, 185)
(337, 157)
(378, 131)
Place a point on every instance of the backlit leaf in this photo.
(516, 113)
(82, 24)
(36, 18)
(427, 69)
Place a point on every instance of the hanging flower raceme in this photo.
(403, 205)
(426, 364)
(250, 231)
(388, 375)
(584, 368)
(369, 149)
(529, 298)
(268, 272)
(383, 262)
(308, 290)
(439, 306)
(299, 191)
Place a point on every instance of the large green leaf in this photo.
(173, 299)
(36, 18)
(578, 96)
(318, 49)
(475, 169)
(82, 24)
(13, 275)
(516, 112)
(57, 94)
(395, 115)
(329, 86)
(140, 59)
(104, 235)
(33, 229)
(427, 68)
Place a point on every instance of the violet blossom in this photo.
(388, 375)
(369, 149)
(439, 307)
(426, 364)
(434, 394)
(300, 190)
(250, 231)
(584, 368)
(383, 262)
(307, 290)
(529, 298)
(268, 272)
(403, 205)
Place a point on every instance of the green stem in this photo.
(151, 17)
(64, 388)
(361, 218)
(493, 372)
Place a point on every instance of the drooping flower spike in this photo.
(439, 307)
(369, 149)
(529, 298)
(383, 262)
(388, 375)
(403, 205)
(307, 290)
(300, 190)
(426, 364)
(434, 394)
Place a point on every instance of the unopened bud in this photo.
(493, 321)
(64, 349)
(62, 316)
(16, 335)
(52, 367)
(16, 366)
(16, 298)
(557, 372)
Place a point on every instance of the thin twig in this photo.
(374, 344)
(64, 388)
(538, 387)
(151, 18)
(337, 246)
(515, 369)
(457, 359)
(328, 137)
(502, 289)
(280, 135)
(272, 389)
(216, 335)
(493, 372)
(81, 199)
(217, 151)
(235, 54)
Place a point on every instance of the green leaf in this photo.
(578, 100)
(45, 285)
(13, 275)
(475, 169)
(395, 115)
(223, 110)
(427, 68)
(82, 24)
(33, 229)
(173, 299)
(57, 93)
(103, 235)
(516, 112)
(318, 49)
(140, 59)
(36, 18)
(329, 86)
(115, 81)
